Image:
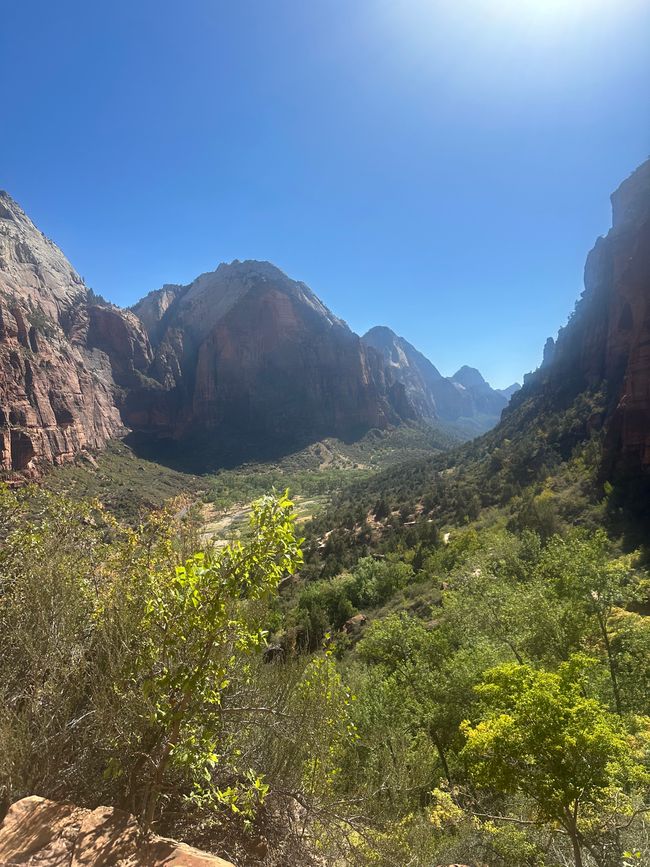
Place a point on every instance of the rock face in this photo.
(243, 355)
(246, 352)
(606, 344)
(57, 390)
(39, 832)
(464, 396)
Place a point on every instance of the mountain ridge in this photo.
(465, 396)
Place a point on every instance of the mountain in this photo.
(464, 397)
(483, 400)
(245, 356)
(240, 360)
(58, 394)
(510, 390)
(605, 347)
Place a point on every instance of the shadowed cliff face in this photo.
(57, 390)
(606, 344)
(246, 353)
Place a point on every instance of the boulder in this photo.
(41, 833)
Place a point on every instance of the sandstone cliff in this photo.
(606, 344)
(56, 388)
(245, 354)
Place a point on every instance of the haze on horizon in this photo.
(440, 168)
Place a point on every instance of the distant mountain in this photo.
(510, 390)
(464, 399)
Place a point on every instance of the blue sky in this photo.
(442, 168)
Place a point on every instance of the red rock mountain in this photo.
(245, 354)
(58, 392)
(241, 357)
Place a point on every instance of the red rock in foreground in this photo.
(39, 832)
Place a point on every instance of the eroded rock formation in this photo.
(56, 395)
(246, 352)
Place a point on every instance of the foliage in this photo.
(539, 734)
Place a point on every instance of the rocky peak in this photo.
(32, 268)
(200, 305)
(469, 377)
(463, 398)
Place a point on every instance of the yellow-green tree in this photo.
(541, 736)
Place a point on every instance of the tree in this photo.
(589, 585)
(194, 627)
(539, 735)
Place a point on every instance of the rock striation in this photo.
(57, 389)
(36, 831)
(465, 396)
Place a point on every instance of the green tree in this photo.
(195, 625)
(588, 584)
(539, 735)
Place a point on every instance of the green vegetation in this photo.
(454, 666)
(125, 484)
(325, 468)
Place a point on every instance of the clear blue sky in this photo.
(439, 167)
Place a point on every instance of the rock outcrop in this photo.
(36, 831)
(464, 397)
(57, 392)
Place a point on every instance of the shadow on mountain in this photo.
(207, 453)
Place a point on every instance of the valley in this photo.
(437, 651)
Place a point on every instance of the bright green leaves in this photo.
(196, 625)
(540, 735)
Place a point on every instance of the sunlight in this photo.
(537, 15)
(544, 13)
